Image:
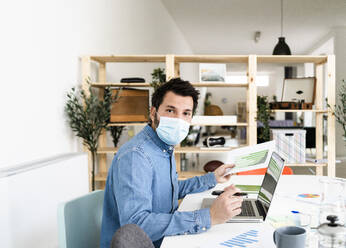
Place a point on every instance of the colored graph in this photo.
(242, 240)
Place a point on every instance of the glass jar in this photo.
(332, 200)
(331, 234)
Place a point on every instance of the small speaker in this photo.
(290, 72)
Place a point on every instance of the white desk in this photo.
(283, 202)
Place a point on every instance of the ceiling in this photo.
(228, 26)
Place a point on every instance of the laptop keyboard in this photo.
(247, 209)
(260, 208)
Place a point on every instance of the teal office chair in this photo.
(79, 221)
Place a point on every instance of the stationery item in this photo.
(245, 235)
(309, 195)
(250, 157)
(290, 236)
(277, 221)
(242, 240)
(219, 192)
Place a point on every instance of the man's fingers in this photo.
(230, 166)
(230, 190)
(237, 211)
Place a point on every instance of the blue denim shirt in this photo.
(142, 188)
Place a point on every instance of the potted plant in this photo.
(263, 116)
(116, 132)
(158, 78)
(88, 116)
(340, 108)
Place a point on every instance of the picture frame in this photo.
(212, 72)
(298, 89)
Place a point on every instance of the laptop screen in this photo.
(271, 178)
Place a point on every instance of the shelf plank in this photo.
(195, 149)
(211, 58)
(238, 124)
(195, 84)
(104, 150)
(102, 85)
(291, 59)
(130, 58)
(301, 110)
(219, 84)
(101, 177)
(306, 164)
(177, 150)
(127, 124)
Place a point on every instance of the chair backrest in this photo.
(79, 221)
(131, 236)
(287, 171)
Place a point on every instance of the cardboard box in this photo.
(132, 106)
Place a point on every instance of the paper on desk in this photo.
(250, 157)
(248, 188)
(249, 236)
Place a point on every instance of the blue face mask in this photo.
(172, 130)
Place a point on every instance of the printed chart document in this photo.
(250, 157)
(249, 236)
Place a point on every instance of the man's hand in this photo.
(219, 172)
(225, 206)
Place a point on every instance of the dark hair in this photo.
(177, 86)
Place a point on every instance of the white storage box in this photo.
(290, 144)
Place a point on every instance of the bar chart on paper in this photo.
(247, 239)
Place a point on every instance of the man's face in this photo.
(174, 106)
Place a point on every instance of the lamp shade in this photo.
(281, 48)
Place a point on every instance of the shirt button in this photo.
(204, 228)
(164, 150)
(170, 148)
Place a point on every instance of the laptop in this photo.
(255, 210)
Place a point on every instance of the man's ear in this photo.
(152, 113)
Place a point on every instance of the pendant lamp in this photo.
(281, 47)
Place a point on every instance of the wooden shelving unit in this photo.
(209, 84)
(172, 63)
(301, 110)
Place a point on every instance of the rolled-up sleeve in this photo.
(196, 184)
(133, 192)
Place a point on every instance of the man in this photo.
(142, 186)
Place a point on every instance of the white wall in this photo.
(30, 194)
(340, 67)
(40, 48)
(334, 43)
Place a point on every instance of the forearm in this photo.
(196, 184)
(158, 225)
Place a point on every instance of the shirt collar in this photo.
(162, 145)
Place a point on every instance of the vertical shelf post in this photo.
(172, 71)
(102, 158)
(86, 75)
(251, 106)
(331, 117)
(319, 116)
